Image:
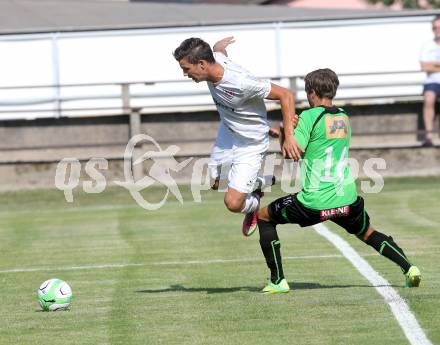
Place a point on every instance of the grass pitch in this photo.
(184, 274)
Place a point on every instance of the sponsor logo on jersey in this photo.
(336, 126)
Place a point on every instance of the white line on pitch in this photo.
(400, 309)
(68, 268)
(220, 261)
(171, 263)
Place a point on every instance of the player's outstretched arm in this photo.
(221, 45)
(290, 147)
(281, 137)
(276, 132)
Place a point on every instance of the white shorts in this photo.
(236, 160)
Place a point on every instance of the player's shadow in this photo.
(293, 285)
(181, 288)
(316, 286)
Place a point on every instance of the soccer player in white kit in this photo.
(242, 135)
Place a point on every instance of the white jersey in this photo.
(431, 53)
(239, 98)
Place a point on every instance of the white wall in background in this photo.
(279, 49)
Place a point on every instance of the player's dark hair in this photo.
(435, 19)
(194, 49)
(324, 82)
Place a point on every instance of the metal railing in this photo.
(116, 98)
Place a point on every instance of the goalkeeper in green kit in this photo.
(329, 192)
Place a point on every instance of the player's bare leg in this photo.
(248, 204)
(235, 200)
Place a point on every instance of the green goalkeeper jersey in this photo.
(324, 133)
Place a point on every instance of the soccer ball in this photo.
(54, 294)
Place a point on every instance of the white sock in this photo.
(251, 203)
